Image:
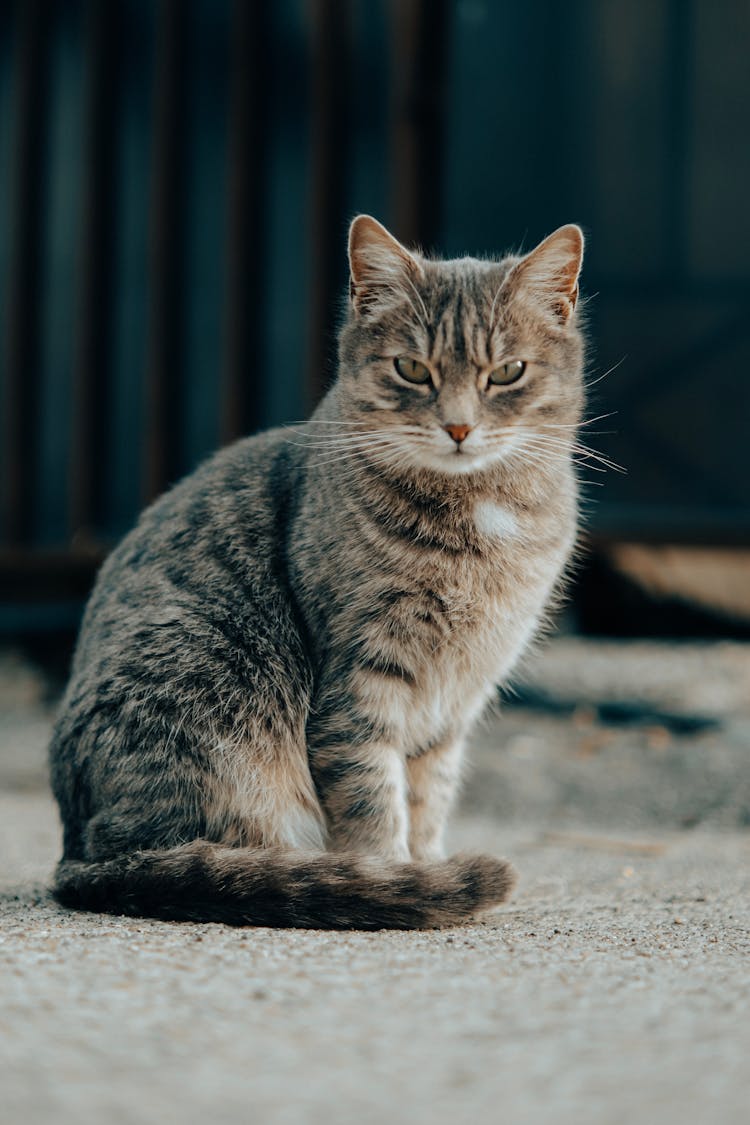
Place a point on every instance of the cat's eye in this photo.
(412, 370)
(507, 373)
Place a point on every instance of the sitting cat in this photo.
(278, 668)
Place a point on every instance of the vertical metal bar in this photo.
(167, 253)
(91, 389)
(419, 60)
(330, 96)
(242, 393)
(21, 378)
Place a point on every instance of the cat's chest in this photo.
(455, 633)
(492, 605)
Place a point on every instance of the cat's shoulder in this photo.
(240, 486)
(247, 468)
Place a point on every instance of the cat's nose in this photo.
(458, 433)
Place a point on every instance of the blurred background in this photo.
(176, 180)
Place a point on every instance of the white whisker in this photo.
(491, 322)
(418, 295)
(576, 425)
(338, 443)
(321, 422)
(574, 447)
(606, 373)
(349, 455)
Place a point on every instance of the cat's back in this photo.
(198, 557)
(187, 616)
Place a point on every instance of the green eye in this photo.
(508, 373)
(412, 370)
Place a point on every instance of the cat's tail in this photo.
(204, 882)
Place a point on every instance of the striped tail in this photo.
(203, 882)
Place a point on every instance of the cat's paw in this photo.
(427, 852)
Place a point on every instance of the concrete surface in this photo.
(612, 989)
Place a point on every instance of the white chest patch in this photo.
(495, 520)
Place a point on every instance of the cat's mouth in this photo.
(460, 460)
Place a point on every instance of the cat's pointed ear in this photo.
(550, 272)
(381, 270)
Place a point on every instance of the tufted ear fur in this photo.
(382, 271)
(550, 272)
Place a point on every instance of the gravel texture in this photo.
(613, 988)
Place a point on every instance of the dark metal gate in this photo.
(175, 184)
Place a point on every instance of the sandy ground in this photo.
(613, 987)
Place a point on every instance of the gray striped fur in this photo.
(279, 665)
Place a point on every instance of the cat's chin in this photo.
(458, 464)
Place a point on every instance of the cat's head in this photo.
(459, 365)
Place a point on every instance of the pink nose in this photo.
(458, 433)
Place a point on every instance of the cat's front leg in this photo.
(362, 788)
(432, 777)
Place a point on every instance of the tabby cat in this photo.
(278, 668)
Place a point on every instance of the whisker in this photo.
(606, 373)
(418, 295)
(549, 457)
(537, 453)
(358, 452)
(540, 457)
(576, 425)
(577, 447)
(595, 455)
(321, 422)
(491, 319)
(335, 443)
(348, 455)
(588, 465)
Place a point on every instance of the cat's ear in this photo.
(381, 270)
(550, 272)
